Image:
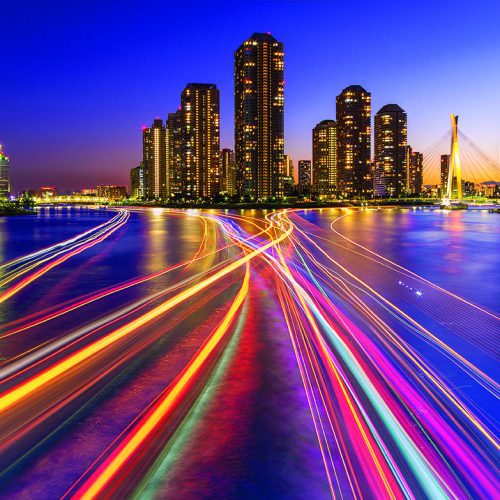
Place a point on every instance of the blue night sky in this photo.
(80, 78)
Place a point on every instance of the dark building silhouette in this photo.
(445, 170)
(391, 150)
(304, 177)
(137, 184)
(259, 116)
(324, 154)
(354, 142)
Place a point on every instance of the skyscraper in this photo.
(304, 177)
(415, 172)
(324, 163)
(201, 140)
(391, 148)
(137, 187)
(175, 141)
(288, 180)
(228, 172)
(354, 142)
(445, 169)
(155, 155)
(259, 116)
(4, 174)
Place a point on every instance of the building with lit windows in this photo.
(288, 180)
(155, 160)
(304, 177)
(112, 192)
(137, 182)
(228, 172)
(201, 140)
(324, 154)
(354, 142)
(415, 161)
(445, 169)
(175, 141)
(391, 149)
(259, 116)
(4, 174)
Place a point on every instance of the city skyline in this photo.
(66, 91)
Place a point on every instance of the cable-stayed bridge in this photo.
(458, 166)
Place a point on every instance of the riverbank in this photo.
(13, 209)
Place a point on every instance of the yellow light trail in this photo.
(17, 394)
(97, 482)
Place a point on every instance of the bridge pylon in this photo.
(454, 169)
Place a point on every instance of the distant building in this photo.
(88, 192)
(445, 170)
(175, 142)
(415, 171)
(47, 192)
(228, 172)
(201, 134)
(112, 192)
(354, 142)
(324, 162)
(137, 184)
(390, 175)
(4, 174)
(259, 116)
(155, 153)
(304, 177)
(288, 180)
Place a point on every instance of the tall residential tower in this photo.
(201, 136)
(259, 116)
(354, 142)
(324, 162)
(4, 175)
(155, 154)
(391, 151)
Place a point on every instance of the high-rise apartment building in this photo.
(259, 116)
(175, 141)
(391, 149)
(201, 140)
(445, 169)
(137, 182)
(304, 177)
(228, 172)
(4, 174)
(415, 171)
(354, 142)
(288, 179)
(324, 162)
(155, 160)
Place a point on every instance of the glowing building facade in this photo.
(354, 142)
(175, 141)
(155, 160)
(259, 116)
(4, 174)
(324, 162)
(391, 151)
(415, 170)
(201, 140)
(228, 172)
